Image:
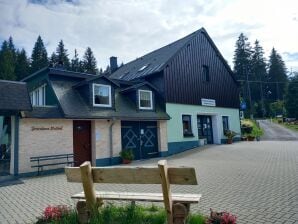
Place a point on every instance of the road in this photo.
(273, 131)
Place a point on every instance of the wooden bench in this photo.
(176, 205)
(51, 160)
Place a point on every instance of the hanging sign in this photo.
(208, 102)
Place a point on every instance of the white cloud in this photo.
(131, 28)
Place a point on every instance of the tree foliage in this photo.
(277, 73)
(7, 62)
(22, 64)
(39, 57)
(62, 55)
(89, 62)
(292, 97)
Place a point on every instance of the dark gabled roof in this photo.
(152, 62)
(14, 96)
(59, 71)
(88, 80)
(155, 61)
(136, 86)
(74, 106)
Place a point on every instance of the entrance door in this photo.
(141, 137)
(205, 128)
(5, 145)
(81, 141)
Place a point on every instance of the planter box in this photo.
(202, 141)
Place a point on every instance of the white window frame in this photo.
(38, 96)
(110, 95)
(151, 99)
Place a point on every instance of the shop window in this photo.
(225, 123)
(145, 100)
(206, 73)
(102, 95)
(38, 96)
(187, 130)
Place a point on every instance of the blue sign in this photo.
(243, 105)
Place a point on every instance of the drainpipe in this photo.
(111, 140)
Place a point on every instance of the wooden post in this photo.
(87, 180)
(166, 190)
(179, 213)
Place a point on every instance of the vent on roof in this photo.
(142, 68)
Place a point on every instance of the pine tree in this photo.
(7, 62)
(278, 74)
(39, 57)
(242, 68)
(75, 63)
(12, 49)
(53, 59)
(242, 58)
(22, 65)
(89, 62)
(62, 55)
(258, 73)
(292, 97)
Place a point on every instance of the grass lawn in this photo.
(293, 127)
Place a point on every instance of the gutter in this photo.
(111, 140)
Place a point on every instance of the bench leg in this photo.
(180, 213)
(83, 212)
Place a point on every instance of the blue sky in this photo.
(128, 29)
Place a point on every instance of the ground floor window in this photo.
(5, 145)
(187, 130)
(225, 123)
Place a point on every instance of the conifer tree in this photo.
(89, 62)
(75, 63)
(62, 55)
(242, 69)
(292, 97)
(7, 62)
(22, 64)
(278, 75)
(53, 59)
(39, 57)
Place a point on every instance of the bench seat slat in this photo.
(36, 158)
(152, 197)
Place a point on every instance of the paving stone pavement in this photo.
(257, 181)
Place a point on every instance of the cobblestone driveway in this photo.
(258, 181)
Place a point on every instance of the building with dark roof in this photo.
(170, 100)
(14, 99)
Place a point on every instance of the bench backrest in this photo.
(134, 175)
(163, 175)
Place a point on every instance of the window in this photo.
(102, 95)
(225, 123)
(206, 73)
(38, 96)
(187, 130)
(145, 100)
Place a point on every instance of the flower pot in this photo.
(126, 161)
(258, 138)
(229, 141)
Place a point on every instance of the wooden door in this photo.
(81, 141)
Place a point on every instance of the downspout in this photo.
(111, 140)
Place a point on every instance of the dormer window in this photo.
(145, 100)
(102, 96)
(38, 96)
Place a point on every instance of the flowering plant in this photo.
(221, 218)
(54, 213)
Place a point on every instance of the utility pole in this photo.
(249, 95)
